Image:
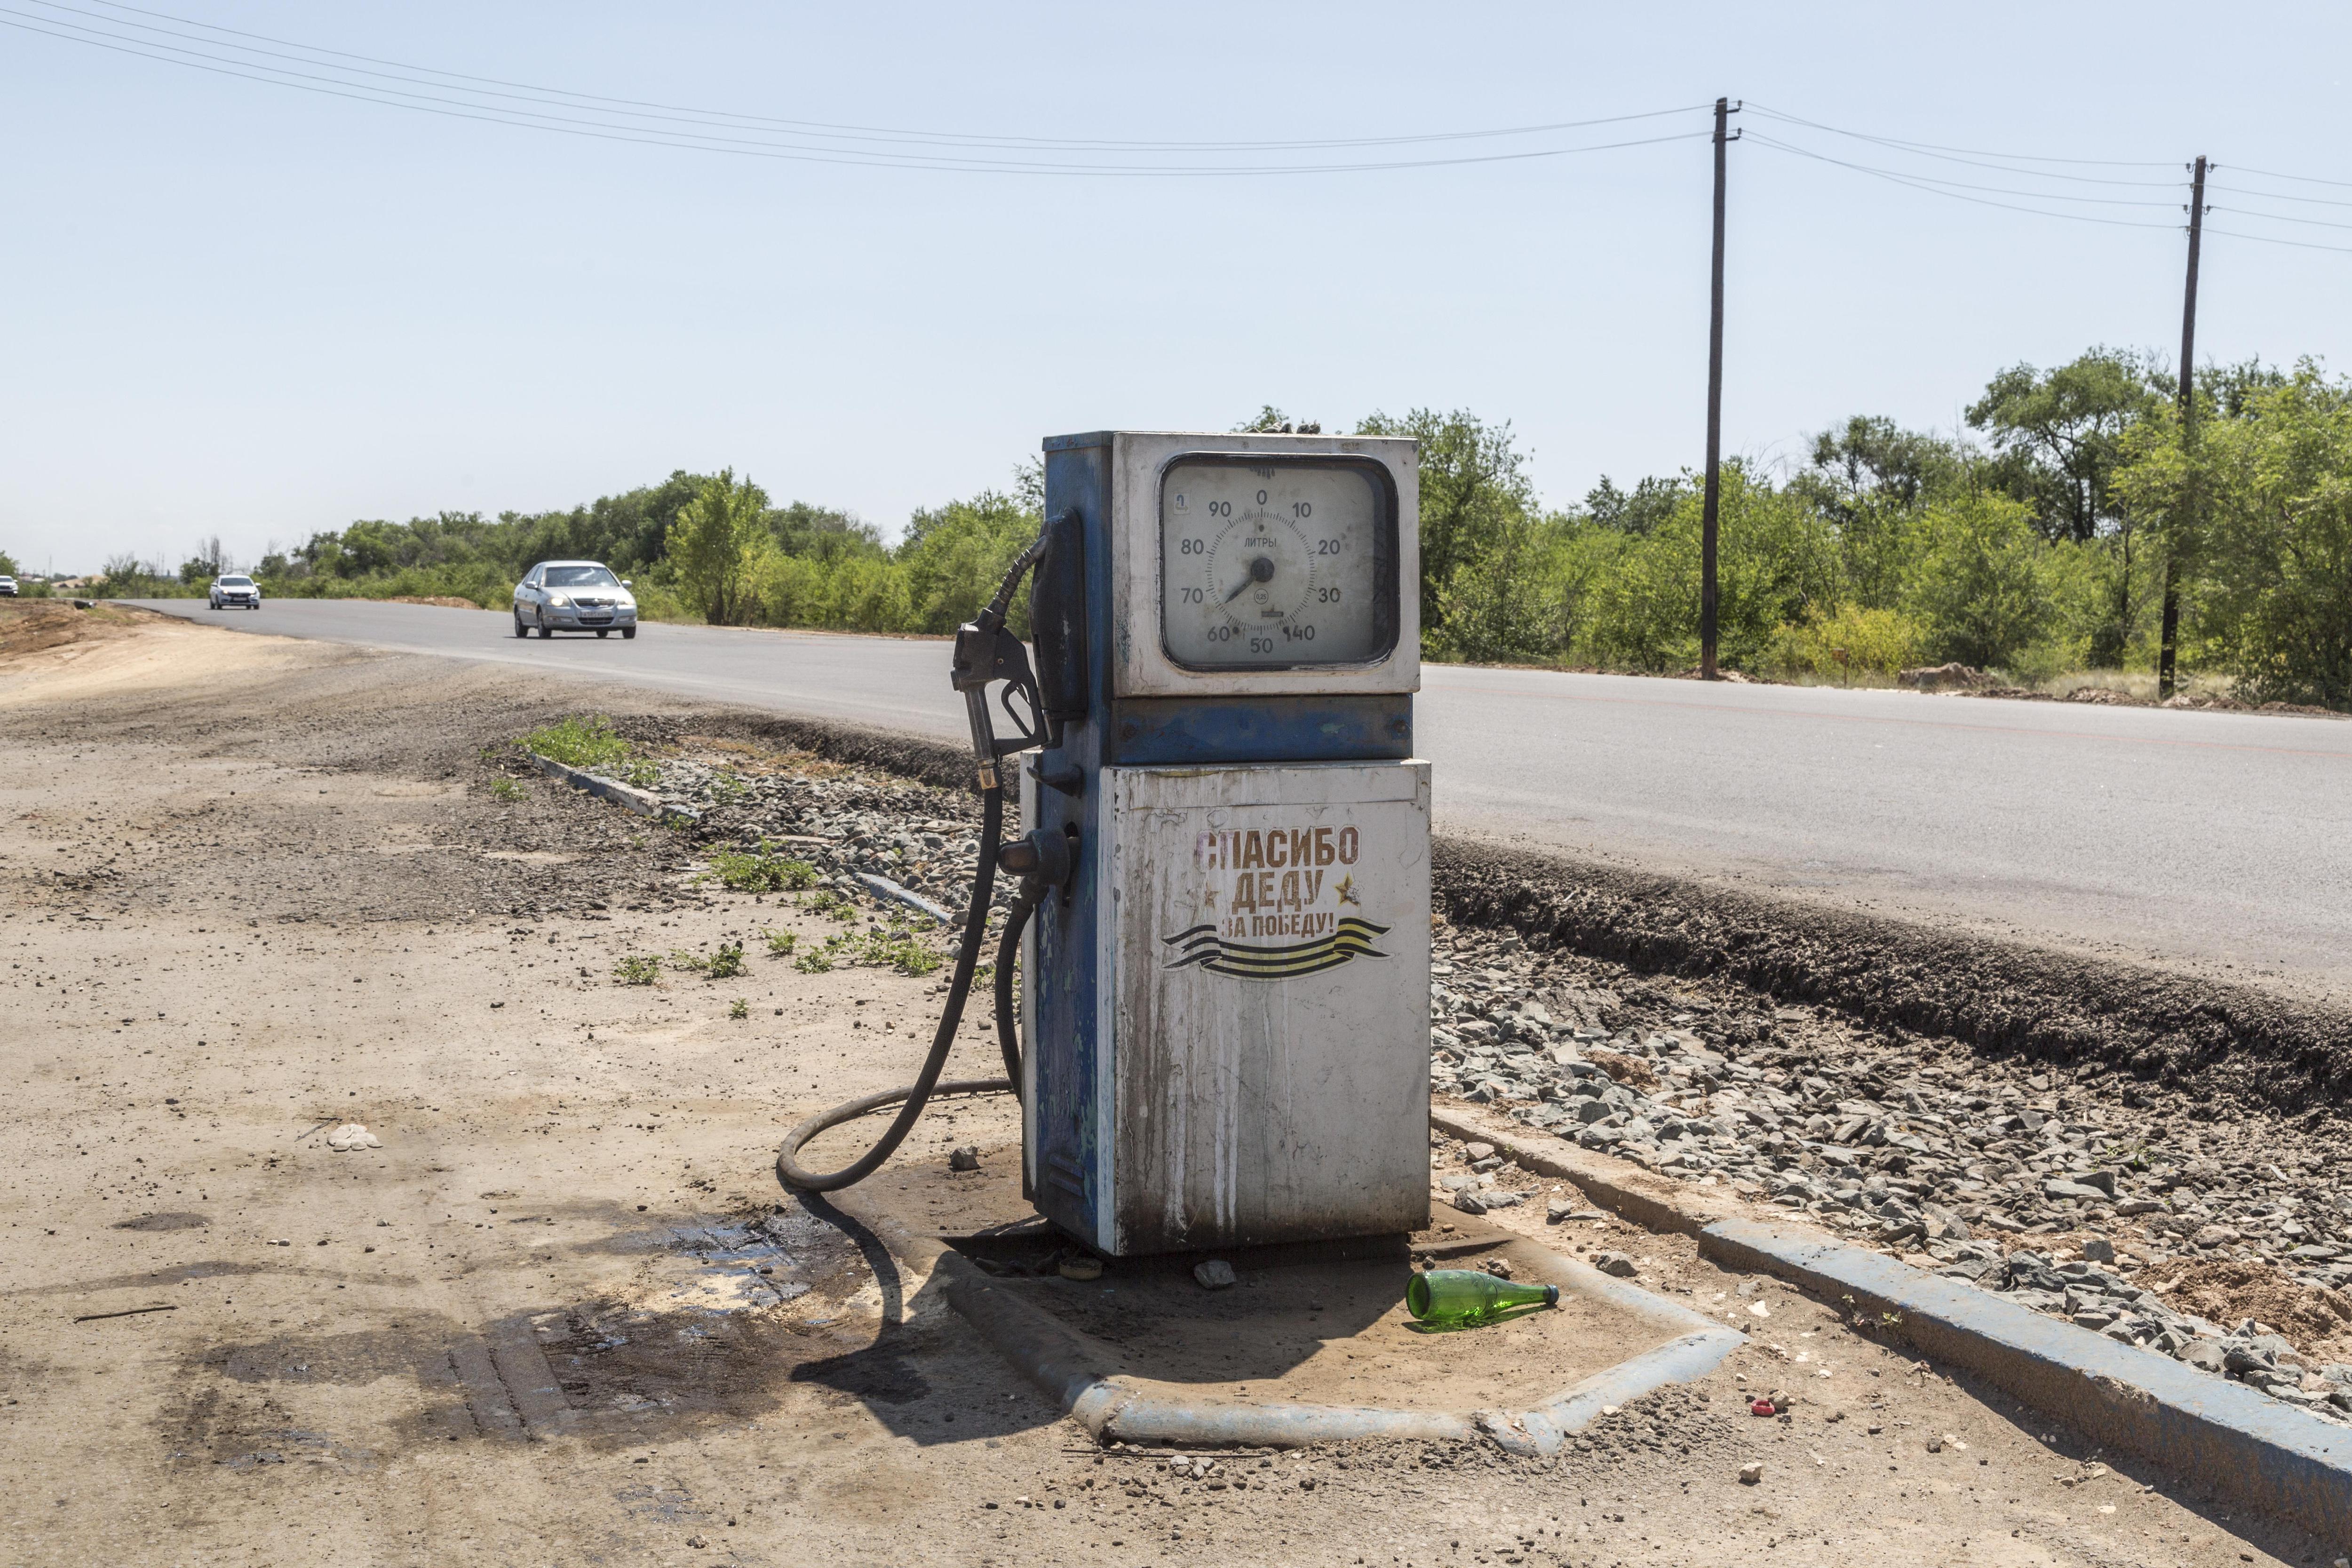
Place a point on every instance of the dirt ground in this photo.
(559, 1313)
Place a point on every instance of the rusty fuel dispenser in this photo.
(1222, 928)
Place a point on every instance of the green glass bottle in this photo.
(1449, 1296)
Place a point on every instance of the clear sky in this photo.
(234, 307)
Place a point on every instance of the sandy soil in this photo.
(560, 1313)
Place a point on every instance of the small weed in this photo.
(826, 901)
(895, 948)
(813, 961)
(759, 870)
(637, 969)
(738, 1008)
(727, 787)
(583, 740)
(724, 964)
(507, 789)
(780, 943)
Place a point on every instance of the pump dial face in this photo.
(1277, 565)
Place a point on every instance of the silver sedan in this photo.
(573, 596)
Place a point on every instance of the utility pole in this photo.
(1707, 529)
(2170, 638)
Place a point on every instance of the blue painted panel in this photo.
(1182, 730)
(1066, 1054)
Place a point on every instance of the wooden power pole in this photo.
(1713, 495)
(2166, 656)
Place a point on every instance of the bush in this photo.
(637, 969)
(1848, 642)
(1981, 583)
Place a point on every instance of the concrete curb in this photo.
(642, 802)
(2242, 1444)
(2222, 1435)
(1651, 1200)
(884, 887)
(1116, 1408)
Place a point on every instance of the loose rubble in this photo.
(2147, 1226)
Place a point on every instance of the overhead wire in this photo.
(531, 92)
(1967, 154)
(1941, 187)
(703, 130)
(399, 84)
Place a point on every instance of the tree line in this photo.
(2035, 542)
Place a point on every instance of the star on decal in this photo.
(1347, 891)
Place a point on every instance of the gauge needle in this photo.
(1261, 571)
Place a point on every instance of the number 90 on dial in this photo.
(1277, 565)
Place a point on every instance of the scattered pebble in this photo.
(1213, 1273)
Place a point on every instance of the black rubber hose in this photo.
(1008, 952)
(975, 927)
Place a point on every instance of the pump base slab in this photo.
(1313, 1345)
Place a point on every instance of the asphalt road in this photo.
(2216, 842)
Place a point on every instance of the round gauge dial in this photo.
(1274, 565)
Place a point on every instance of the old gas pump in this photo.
(1225, 961)
(1227, 1007)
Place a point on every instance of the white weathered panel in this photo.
(1270, 1002)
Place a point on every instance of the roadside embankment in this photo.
(2211, 1040)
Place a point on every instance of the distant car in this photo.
(7, 587)
(573, 596)
(236, 592)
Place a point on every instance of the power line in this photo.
(2274, 239)
(530, 104)
(2306, 179)
(2284, 197)
(565, 111)
(1921, 183)
(2282, 217)
(1963, 154)
(743, 146)
(926, 137)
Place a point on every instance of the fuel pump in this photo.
(1222, 922)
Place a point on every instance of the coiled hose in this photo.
(912, 1099)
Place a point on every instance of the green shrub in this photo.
(780, 943)
(585, 741)
(814, 962)
(507, 789)
(637, 969)
(1982, 585)
(1848, 642)
(739, 1008)
(761, 870)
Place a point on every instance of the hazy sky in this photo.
(233, 307)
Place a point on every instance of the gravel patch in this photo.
(2220, 1243)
